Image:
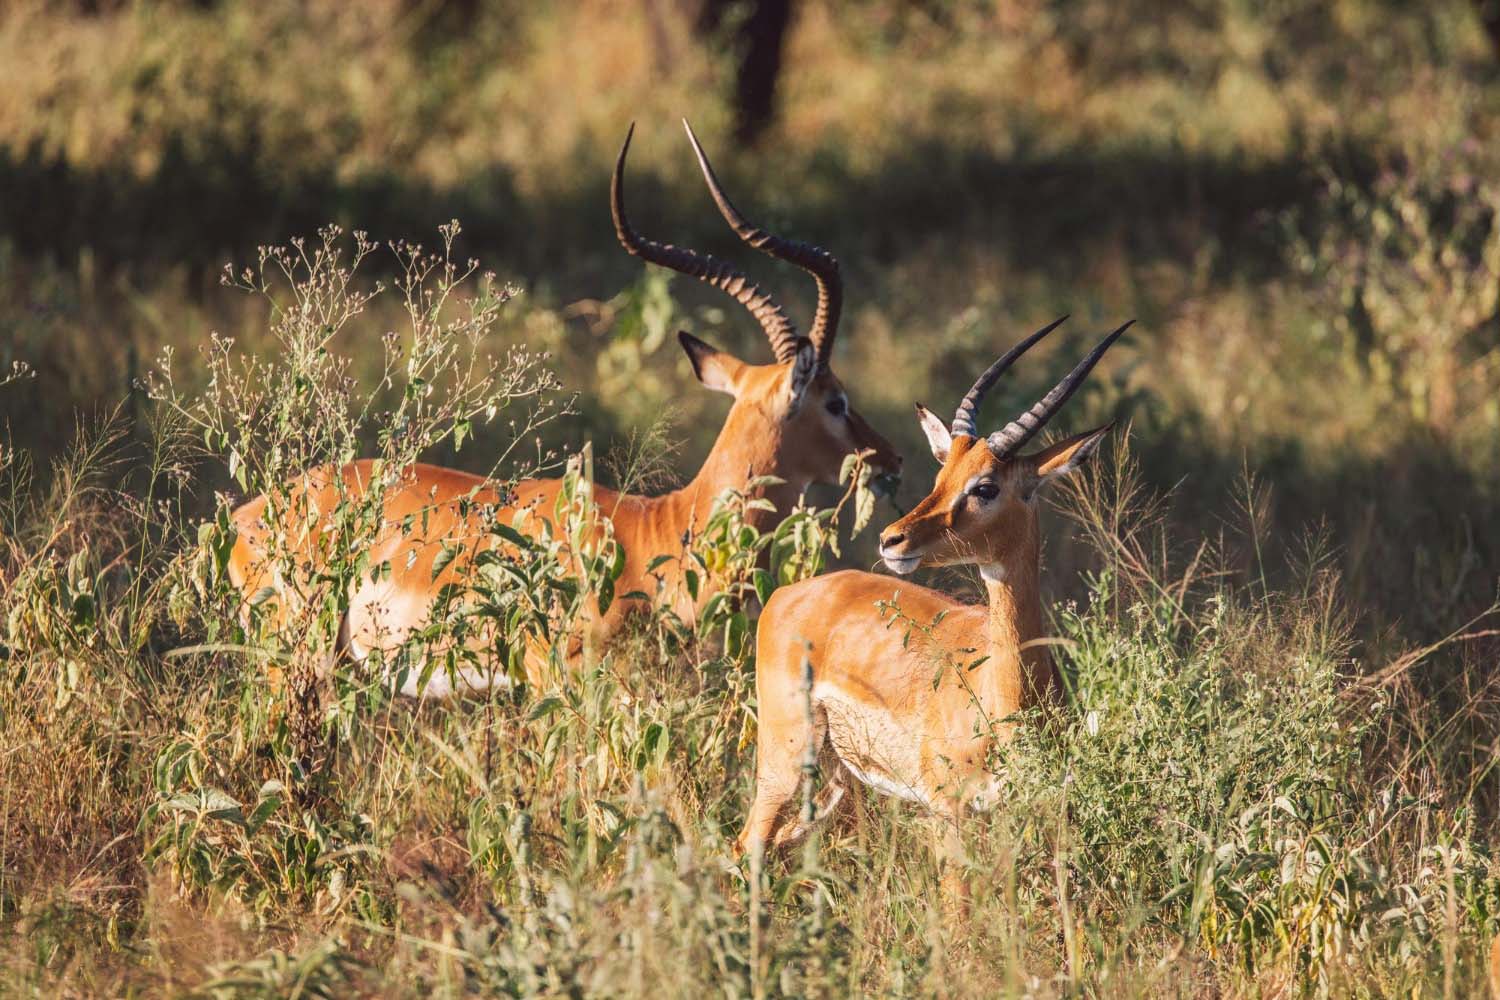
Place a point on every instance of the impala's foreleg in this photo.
(786, 741)
(952, 859)
(824, 802)
(778, 774)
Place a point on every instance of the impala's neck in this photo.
(1018, 676)
(745, 450)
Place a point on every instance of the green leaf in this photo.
(765, 585)
(263, 811)
(847, 469)
(864, 508)
(444, 557)
(222, 806)
(511, 535)
(712, 610)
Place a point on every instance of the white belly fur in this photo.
(873, 745)
(442, 683)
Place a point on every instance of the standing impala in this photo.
(790, 420)
(911, 688)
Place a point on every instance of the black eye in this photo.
(838, 406)
(985, 490)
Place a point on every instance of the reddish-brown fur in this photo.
(894, 700)
(762, 435)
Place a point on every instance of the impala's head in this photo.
(982, 508)
(796, 409)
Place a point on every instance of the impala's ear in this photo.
(804, 366)
(714, 368)
(1067, 456)
(939, 438)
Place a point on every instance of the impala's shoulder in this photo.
(541, 495)
(913, 599)
(248, 513)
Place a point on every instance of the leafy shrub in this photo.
(1204, 808)
(1410, 266)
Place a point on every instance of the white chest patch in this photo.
(992, 572)
(986, 796)
(357, 652)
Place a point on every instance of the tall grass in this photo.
(1275, 771)
(1216, 809)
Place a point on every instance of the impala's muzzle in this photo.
(899, 564)
(910, 540)
(885, 484)
(897, 552)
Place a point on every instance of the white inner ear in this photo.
(714, 369)
(1075, 461)
(938, 437)
(804, 365)
(713, 375)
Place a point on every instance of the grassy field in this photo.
(1276, 772)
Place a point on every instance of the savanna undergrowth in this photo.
(1210, 811)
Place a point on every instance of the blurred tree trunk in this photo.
(759, 28)
(1489, 16)
(94, 8)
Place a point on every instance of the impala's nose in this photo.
(886, 484)
(886, 460)
(890, 545)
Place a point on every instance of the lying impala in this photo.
(897, 701)
(790, 419)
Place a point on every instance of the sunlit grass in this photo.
(1275, 774)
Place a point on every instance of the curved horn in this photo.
(771, 317)
(965, 418)
(1007, 439)
(816, 261)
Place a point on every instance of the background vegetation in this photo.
(1276, 774)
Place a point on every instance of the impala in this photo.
(790, 419)
(911, 688)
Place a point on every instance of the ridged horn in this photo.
(771, 317)
(816, 261)
(1013, 435)
(965, 419)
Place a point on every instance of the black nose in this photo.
(889, 541)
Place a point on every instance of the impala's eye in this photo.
(985, 490)
(837, 406)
